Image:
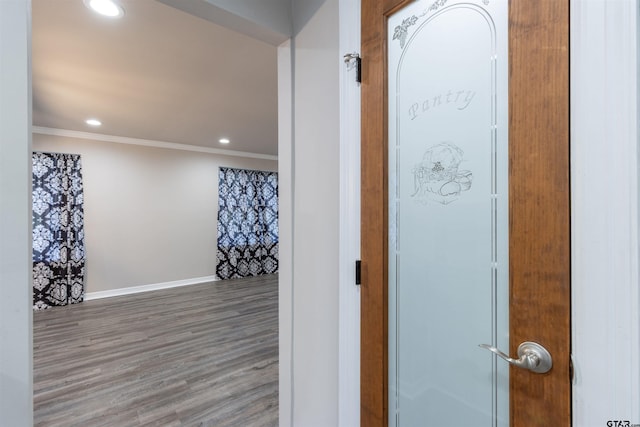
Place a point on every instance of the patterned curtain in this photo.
(58, 230)
(247, 223)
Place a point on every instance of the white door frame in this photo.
(349, 298)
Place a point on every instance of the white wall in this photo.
(266, 20)
(150, 213)
(311, 370)
(302, 11)
(273, 14)
(16, 390)
(604, 175)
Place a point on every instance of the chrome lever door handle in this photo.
(531, 356)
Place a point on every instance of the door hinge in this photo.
(358, 271)
(353, 60)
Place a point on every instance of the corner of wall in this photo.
(285, 222)
(16, 315)
(315, 156)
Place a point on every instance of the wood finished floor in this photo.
(200, 355)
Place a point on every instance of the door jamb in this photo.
(349, 233)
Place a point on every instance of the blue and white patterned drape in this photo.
(247, 223)
(58, 230)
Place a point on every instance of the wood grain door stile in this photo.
(539, 208)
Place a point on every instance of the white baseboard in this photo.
(146, 288)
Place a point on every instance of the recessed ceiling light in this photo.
(105, 7)
(224, 140)
(93, 122)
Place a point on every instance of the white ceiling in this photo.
(157, 73)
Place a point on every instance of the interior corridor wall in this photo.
(316, 192)
(16, 361)
(150, 213)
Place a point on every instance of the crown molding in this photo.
(146, 142)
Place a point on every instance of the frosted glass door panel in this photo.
(448, 213)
